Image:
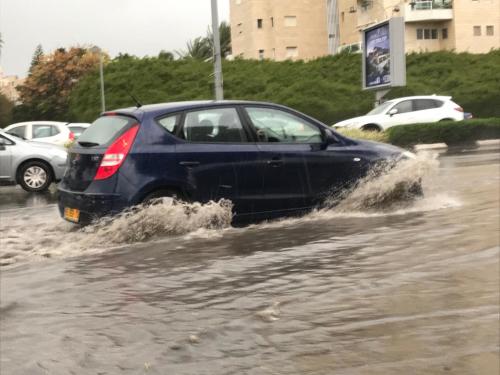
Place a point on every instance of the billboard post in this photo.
(384, 59)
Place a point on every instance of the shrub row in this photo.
(449, 132)
(328, 88)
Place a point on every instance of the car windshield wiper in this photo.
(87, 144)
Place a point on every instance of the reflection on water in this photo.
(414, 290)
(15, 197)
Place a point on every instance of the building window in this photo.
(427, 33)
(274, 53)
(420, 33)
(342, 16)
(434, 34)
(477, 30)
(272, 21)
(290, 21)
(489, 30)
(261, 54)
(259, 23)
(292, 52)
(444, 33)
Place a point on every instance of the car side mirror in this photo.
(3, 143)
(392, 112)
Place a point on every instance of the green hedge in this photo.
(328, 88)
(449, 132)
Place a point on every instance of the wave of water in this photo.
(382, 192)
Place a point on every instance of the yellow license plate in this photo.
(72, 214)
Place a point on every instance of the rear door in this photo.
(44, 133)
(427, 110)
(219, 159)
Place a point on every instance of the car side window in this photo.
(404, 107)
(215, 125)
(423, 104)
(5, 141)
(279, 126)
(169, 122)
(42, 131)
(20, 131)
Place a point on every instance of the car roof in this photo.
(163, 108)
(442, 97)
(36, 123)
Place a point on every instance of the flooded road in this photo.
(405, 290)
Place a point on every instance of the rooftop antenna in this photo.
(138, 104)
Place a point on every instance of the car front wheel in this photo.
(35, 176)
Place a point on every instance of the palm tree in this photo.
(1, 44)
(198, 49)
(224, 37)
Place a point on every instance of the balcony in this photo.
(428, 10)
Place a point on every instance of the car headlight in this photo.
(408, 155)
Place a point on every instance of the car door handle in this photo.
(275, 162)
(189, 163)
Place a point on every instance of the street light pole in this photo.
(96, 49)
(219, 91)
(101, 68)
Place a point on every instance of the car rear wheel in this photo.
(155, 196)
(35, 176)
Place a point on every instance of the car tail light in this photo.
(71, 136)
(459, 109)
(116, 153)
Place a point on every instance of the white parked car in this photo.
(408, 110)
(77, 128)
(42, 131)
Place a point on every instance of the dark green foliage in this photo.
(327, 88)
(37, 57)
(449, 132)
(6, 107)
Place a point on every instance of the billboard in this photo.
(384, 63)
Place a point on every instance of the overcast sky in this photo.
(138, 27)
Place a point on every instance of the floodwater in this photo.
(411, 288)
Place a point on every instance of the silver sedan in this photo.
(33, 165)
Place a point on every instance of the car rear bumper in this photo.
(90, 205)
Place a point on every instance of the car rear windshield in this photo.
(105, 129)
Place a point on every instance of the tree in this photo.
(6, 107)
(1, 44)
(37, 57)
(224, 37)
(45, 92)
(166, 55)
(197, 49)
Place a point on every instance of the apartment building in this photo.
(8, 86)
(305, 29)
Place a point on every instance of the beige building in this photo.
(8, 86)
(305, 29)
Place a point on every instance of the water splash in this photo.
(388, 187)
(163, 218)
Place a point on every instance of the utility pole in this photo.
(219, 91)
(96, 49)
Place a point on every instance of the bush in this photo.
(449, 132)
(360, 134)
(328, 88)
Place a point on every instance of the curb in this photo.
(444, 146)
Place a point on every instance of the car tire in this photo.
(35, 176)
(152, 198)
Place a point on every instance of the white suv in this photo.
(408, 110)
(42, 131)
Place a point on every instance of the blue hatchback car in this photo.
(269, 160)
